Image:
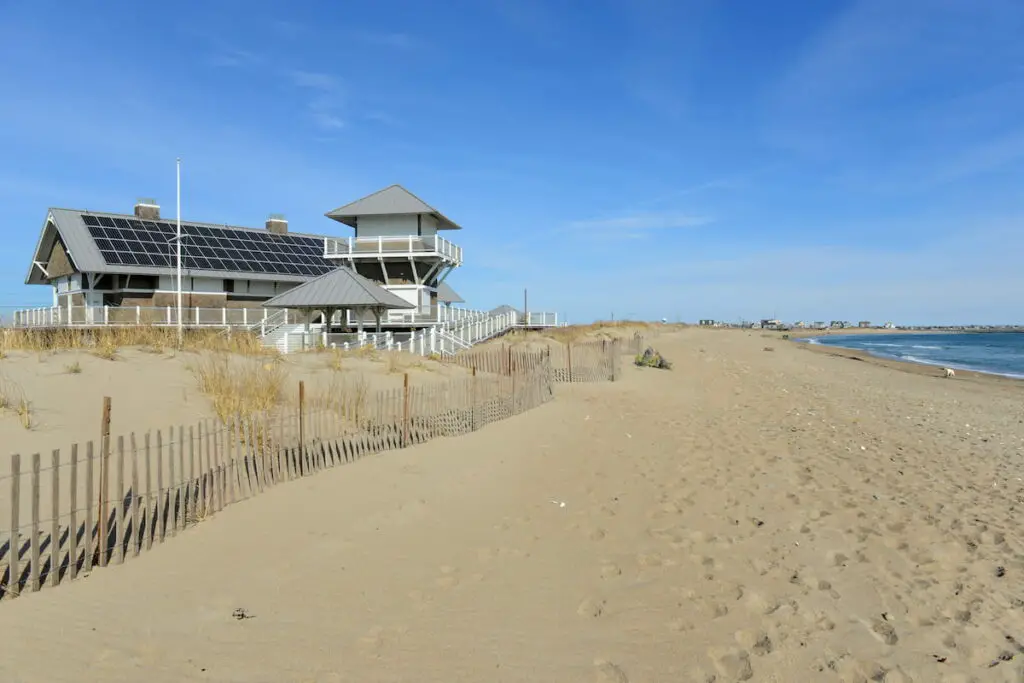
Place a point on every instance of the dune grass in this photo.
(239, 387)
(107, 341)
(13, 399)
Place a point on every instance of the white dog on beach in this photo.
(948, 372)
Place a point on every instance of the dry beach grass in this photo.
(785, 516)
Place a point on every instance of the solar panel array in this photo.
(136, 242)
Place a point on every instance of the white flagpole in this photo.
(181, 329)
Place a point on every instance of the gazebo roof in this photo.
(446, 294)
(340, 288)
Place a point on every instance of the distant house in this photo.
(708, 323)
(890, 326)
(864, 323)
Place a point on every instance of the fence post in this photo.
(615, 357)
(513, 376)
(302, 424)
(405, 411)
(14, 551)
(34, 545)
(104, 480)
(472, 400)
(568, 346)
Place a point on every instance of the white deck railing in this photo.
(259, 320)
(425, 245)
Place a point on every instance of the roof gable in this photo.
(447, 295)
(392, 200)
(340, 288)
(100, 242)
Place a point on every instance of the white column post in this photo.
(245, 317)
(138, 315)
(168, 315)
(224, 316)
(106, 315)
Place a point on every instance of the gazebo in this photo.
(447, 295)
(342, 289)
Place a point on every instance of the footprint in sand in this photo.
(373, 639)
(732, 664)
(591, 607)
(448, 578)
(610, 570)
(607, 672)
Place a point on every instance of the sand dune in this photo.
(751, 515)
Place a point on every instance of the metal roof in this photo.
(446, 294)
(86, 257)
(341, 288)
(393, 200)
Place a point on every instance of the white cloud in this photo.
(233, 58)
(313, 79)
(969, 275)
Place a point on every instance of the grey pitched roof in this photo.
(393, 200)
(446, 294)
(68, 225)
(340, 288)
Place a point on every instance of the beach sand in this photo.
(782, 515)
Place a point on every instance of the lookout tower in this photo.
(397, 243)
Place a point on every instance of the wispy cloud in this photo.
(327, 101)
(314, 80)
(229, 57)
(642, 222)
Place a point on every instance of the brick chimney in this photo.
(147, 209)
(277, 224)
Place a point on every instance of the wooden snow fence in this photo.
(103, 502)
(598, 360)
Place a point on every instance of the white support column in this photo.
(168, 315)
(197, 316)
(245, 317)
(138, 315)
(224, 316)
(106, 315)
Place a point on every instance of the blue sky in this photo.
(642, 158)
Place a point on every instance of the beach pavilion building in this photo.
(121, 269)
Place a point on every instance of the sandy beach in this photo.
(766, 511)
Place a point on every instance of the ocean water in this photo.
(999, 353)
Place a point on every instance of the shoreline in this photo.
(916, 368)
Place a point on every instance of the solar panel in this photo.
(132, 242)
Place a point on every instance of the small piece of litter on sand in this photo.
(559, 503)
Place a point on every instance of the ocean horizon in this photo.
(995, 353)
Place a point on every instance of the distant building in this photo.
(708, 323)
(864, 323)
(890, 326)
